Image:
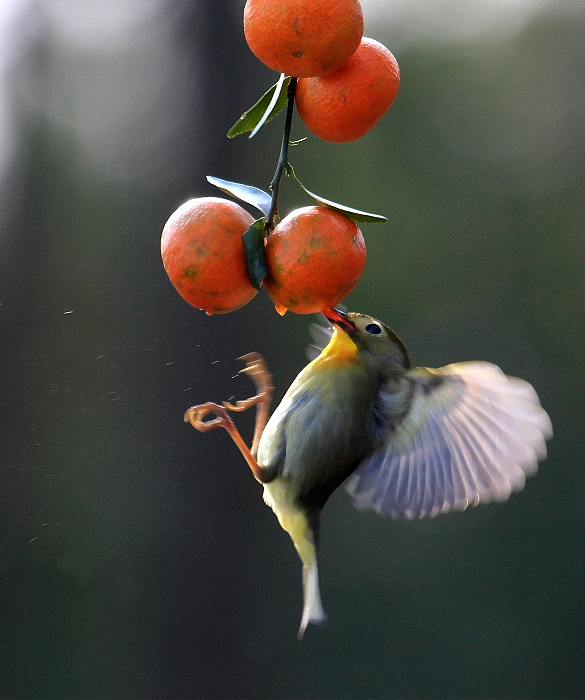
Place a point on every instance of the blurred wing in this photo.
(321, 335)
(471, 436)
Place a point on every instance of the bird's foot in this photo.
(260, 375)
(207, 416)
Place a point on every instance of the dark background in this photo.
(136, 556)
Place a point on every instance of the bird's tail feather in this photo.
(303, 528)
(313, 612)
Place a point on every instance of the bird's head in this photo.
(377, 345)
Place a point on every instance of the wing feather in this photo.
(471, 435)
(443, 471)
(459, 467)
(497, 449)
(429, 486)
(481, 463)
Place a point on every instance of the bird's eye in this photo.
(373, 329)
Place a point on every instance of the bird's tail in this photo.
(313, 612)
(303, 529)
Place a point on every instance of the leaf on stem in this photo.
(355, 214)
(268, 106)
(251, 195)
(253, 240)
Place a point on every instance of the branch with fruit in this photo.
(341, 84)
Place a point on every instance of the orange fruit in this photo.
(345, 105)
(315, 257)
(303, 37)
(203, 254)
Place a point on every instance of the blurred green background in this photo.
(136, 556)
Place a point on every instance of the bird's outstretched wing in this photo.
(471, 435)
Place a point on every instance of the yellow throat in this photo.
(340, 348)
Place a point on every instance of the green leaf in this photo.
(268, 106)
(355, 214)
(253, 240)
(271, 105)
(251, 195)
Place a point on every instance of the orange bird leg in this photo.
(196, 416)
(258, 371)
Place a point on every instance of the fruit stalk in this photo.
(283, 159)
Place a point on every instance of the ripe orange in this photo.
(303, 37)
(315, 257)
(203, 254)
(345, 105)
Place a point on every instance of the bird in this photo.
(407, 442)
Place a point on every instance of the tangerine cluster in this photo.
(346, 81)
(342, 84)
(315, 257)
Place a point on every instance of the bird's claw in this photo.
(258, 371)
(196, 415)
(260, 375)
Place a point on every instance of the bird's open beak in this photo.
(339, 318)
